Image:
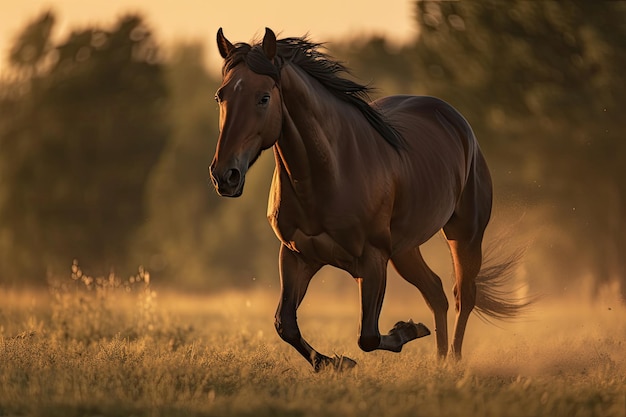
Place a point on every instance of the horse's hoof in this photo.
(408, 331)
(343, 363)
(336, 363)
(422, 330)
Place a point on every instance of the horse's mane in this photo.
(312, 60)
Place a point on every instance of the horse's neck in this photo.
(308, 144)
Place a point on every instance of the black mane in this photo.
(308, 56)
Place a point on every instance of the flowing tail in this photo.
(495, 298)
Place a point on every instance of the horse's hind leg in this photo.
(412, 267)
(467, 257)
(464, 232)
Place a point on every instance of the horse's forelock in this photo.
(258, 62)
(254, 57)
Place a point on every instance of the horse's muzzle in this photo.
(229, 183)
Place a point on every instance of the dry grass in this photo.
(122, 350)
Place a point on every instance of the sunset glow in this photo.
(241, 19)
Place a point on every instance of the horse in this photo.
(357, 184)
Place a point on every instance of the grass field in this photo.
(107, 347)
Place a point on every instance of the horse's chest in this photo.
(334, 240)
(338, 247)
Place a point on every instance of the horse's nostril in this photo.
(232, 177)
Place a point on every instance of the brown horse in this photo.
(356, 184)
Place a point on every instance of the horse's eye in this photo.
(265, 100)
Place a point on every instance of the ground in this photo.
(126, 349)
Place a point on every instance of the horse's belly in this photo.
(322, 248)
(408, 239)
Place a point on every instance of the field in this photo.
(94, 347)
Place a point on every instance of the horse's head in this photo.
(250, 110)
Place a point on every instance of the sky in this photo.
(242, 20)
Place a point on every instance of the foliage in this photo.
(77, 145)
(33, 44)
(82, 309)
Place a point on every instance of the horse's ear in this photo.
(269, 44)
(223, 44)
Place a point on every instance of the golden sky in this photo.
(172, 20)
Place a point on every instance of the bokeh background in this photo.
(107, 126)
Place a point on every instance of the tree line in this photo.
(104, 142)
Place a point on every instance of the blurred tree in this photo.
(32, 45)
(376, 62)
(78, 146)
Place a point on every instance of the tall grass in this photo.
(110, 346)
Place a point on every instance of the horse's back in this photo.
(406, 112)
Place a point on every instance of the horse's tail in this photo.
(495, 298)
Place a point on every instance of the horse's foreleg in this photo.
(372, 291)
(295, 276)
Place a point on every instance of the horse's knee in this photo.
(369, 343)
